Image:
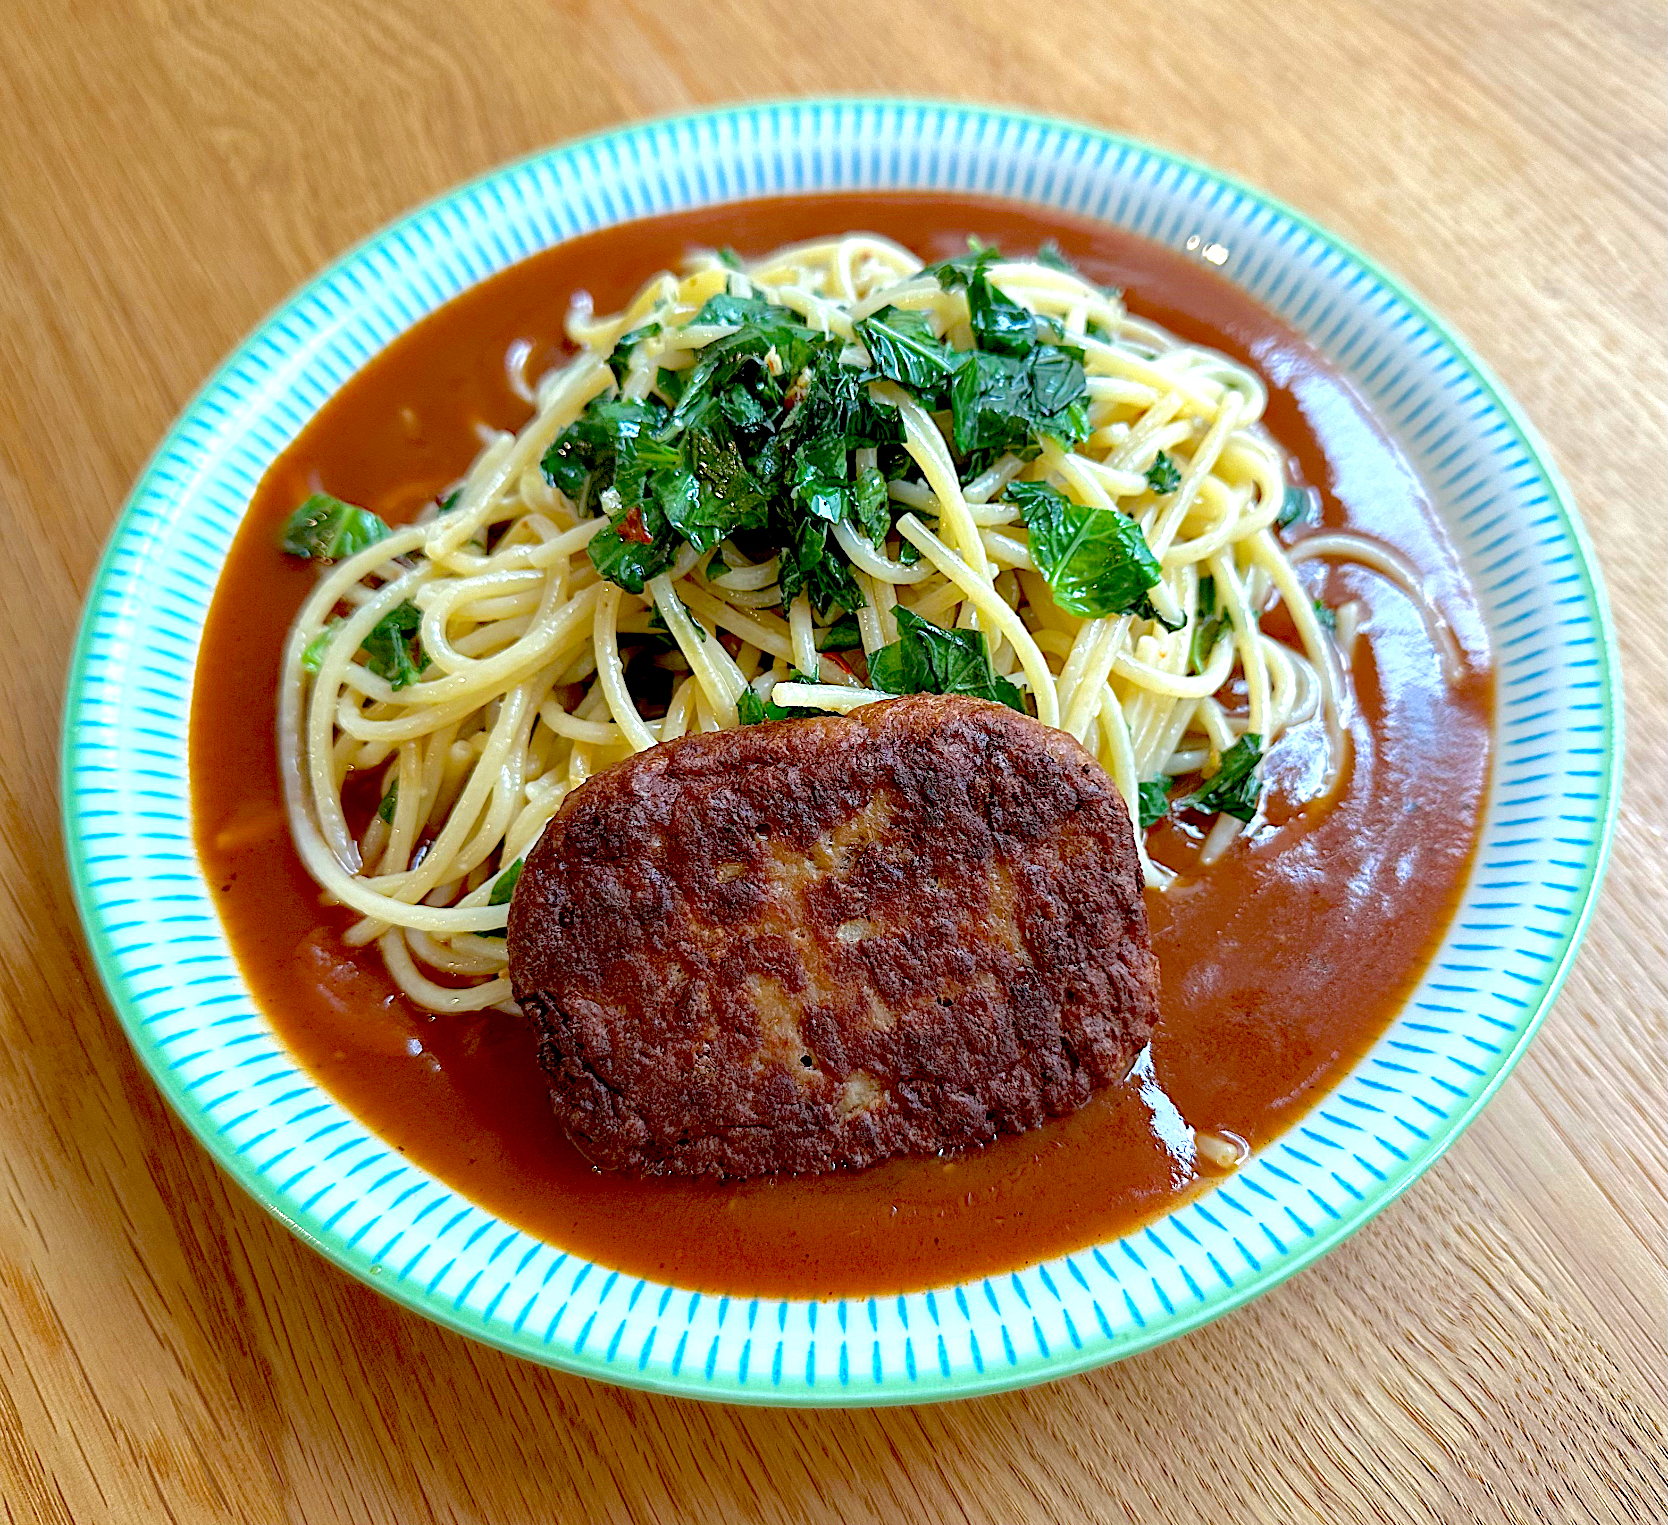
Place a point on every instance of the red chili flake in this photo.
(631, 527)
(841, 663)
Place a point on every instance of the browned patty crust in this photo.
(822, 942)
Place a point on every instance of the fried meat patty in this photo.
(822, 942)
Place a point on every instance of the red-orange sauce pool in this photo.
(1281, 963)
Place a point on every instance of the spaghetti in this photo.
(1100, 554)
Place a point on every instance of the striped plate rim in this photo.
(163, 957)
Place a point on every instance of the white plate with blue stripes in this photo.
(215, 1056)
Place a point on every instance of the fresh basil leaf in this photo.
(1154, 802)
(326, 529)
(1049, 254)
(313, 657)
(870, 507)
(715, 496)
(820, 478)
(999, 323)
(1000, 402)
(1096, 561)
(619, 361)
(626, 559)
(993, 404)
(745, 411)
(903, 348)
(1162, 475)
(926, 658)
(844, 635)
(954, 273)
(503, 887)
(1057, 381)
(1297, 506)
(390, 803)
(1234, 788)
(609, 436)
(835, 400)
(744, 356)
(1144, 608)
(669, 384)
(1207, 627)
(752, 710)
(394, 650)
(726, 309)
(809, 564)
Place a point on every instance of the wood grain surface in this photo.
(1489, 1349)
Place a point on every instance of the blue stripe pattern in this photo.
(217, 1059)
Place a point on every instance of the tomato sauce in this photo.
(1280, 963)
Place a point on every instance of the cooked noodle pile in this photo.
(474, 664)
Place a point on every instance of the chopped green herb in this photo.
(1297, 506)
(752, 710)
(954, 273)
(1002, 403)
(1154, 801)
(843, 635)
(596, 441)
(1096, 561)
(811, 565)
(1049, 254)
(1162, 475)
(926, 658)
(1144, 608)
(669, 384)
(727, 309)
(903, 348)
(503, 887)
(714, 495)
(908, 553)
(394, 649)
(999, 323)
(313, 657)
(760, 437)
(1234, 787)
(631, 558)
(390, 803)
(1326, 614)
(327, 529)
(728, 257)
(1208, 623)
(820, 478)
(870, 507)
(619, 362)
(450, 501)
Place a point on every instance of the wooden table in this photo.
(1489, 1349)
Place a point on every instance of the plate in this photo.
(172, 978)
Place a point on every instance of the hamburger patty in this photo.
(822, 942)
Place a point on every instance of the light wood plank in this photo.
(1491, 1349)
